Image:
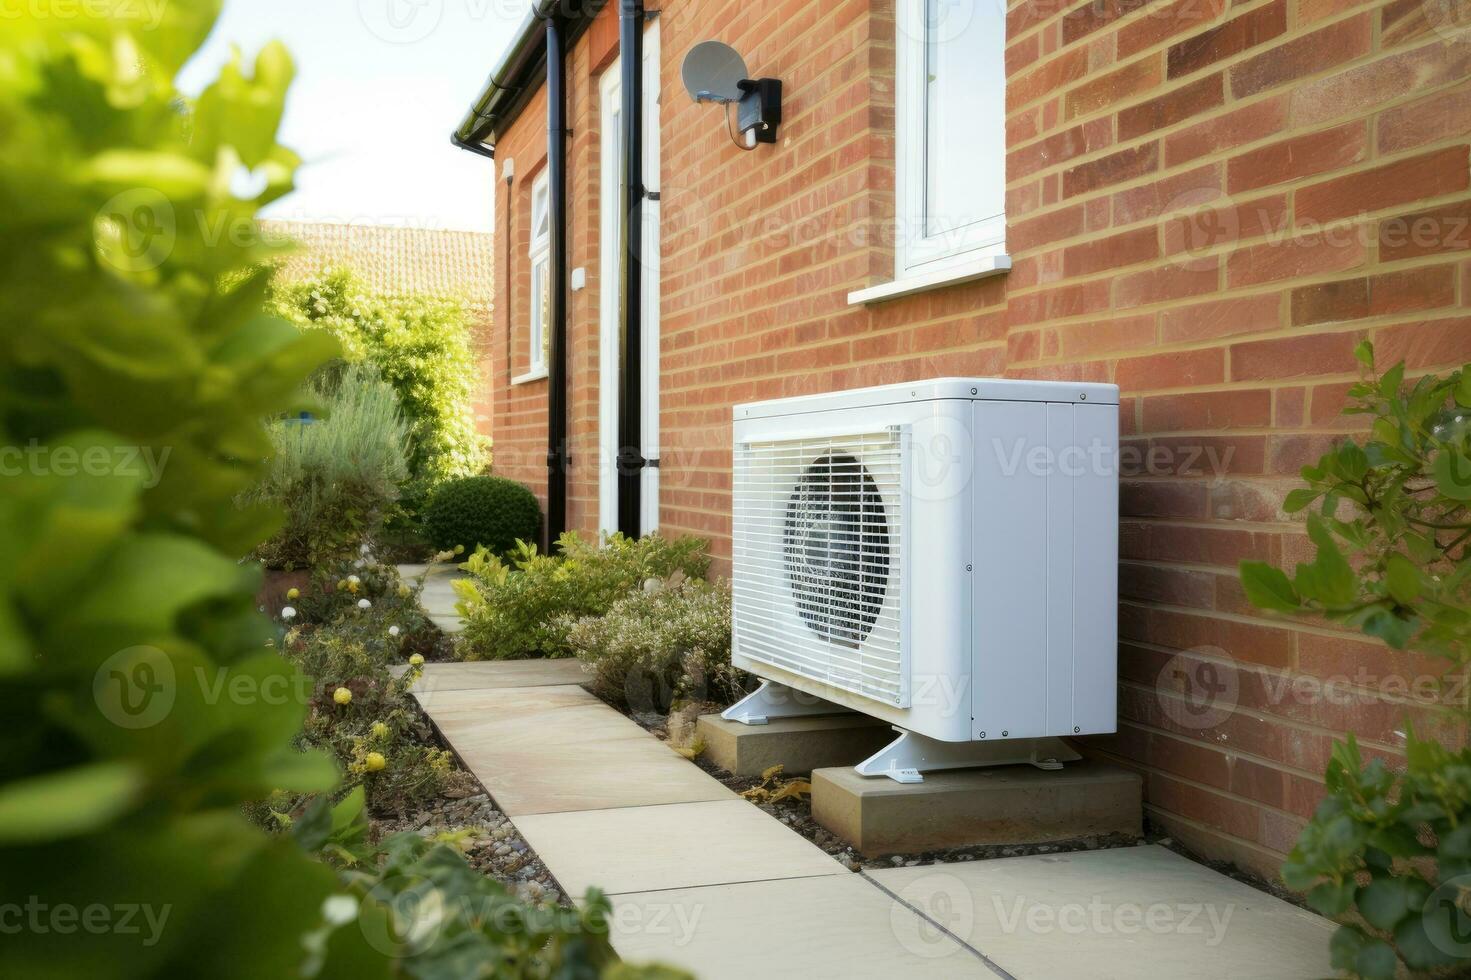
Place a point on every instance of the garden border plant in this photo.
(1388, 852)
(122, 781)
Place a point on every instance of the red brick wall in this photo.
(1210, 203)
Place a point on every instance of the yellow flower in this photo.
(380, 730)
(403, 591)
(374, 761)
(459, 549)
(342, 583)
(293, 594)
(342, 696)
(352, 587)
(417, 660)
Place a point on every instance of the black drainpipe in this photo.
(631, 461)
(558, 460)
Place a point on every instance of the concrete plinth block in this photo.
(799, 744)
(964, 807)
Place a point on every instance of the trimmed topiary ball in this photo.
(482, 510)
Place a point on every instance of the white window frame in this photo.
(539, 255)
(978, 248)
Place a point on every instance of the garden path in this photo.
(439, 596)
(703, 880)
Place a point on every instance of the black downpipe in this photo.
(558, 460)
(630, 320)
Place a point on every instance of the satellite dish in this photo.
(713, 72)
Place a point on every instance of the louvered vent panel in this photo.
(818, 559)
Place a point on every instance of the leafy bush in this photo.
(143, 708)
(121, 775)
(660, 645)
(423, 346)
(438, 918)
(482, 511)
(1388, 853)
(523, 609)
(337, 476)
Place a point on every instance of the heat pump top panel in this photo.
(936, 389)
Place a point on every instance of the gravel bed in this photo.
(488, 840)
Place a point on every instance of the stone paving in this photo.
(439, 596)
(702, 880)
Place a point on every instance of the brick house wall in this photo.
(1209, 204)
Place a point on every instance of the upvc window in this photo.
(540, 255)
(950, 101)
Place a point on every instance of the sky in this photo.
(380, 86)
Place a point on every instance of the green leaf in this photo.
(1345, 945)
(1376, 961)
(1332, 898)
(72, 801)
(1463, 389)
(1394, 378)
(1403, 578)
(1300, 500)
(1438, 937)
(1390, 628)
(1385, 901)
(1452, 472)
(1269, 588)
(1364, 353)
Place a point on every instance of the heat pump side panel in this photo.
(1045, 581)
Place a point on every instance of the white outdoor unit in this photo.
(942, 555)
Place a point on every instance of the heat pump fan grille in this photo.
(818, 560)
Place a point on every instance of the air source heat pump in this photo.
(940, 555)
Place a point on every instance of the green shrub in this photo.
(143, 707)
(336, 476)
(124, 608)
(1388, 853)
(482, 511)
(661, 645)
(335, 590)
(423, 346)
(523, 609)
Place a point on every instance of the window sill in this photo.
(538, 375)
(988, 265)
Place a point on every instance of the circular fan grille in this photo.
(837, 549)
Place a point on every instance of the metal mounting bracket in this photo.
(773, 700)
(908, 757)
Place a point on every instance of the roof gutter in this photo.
(521, 71)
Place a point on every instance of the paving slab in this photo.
(964, 807)
(800, 745)
(1124, 913)
(679, 845)
(438, 598)
(827, 927)
(498, 674)
(556, 749)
